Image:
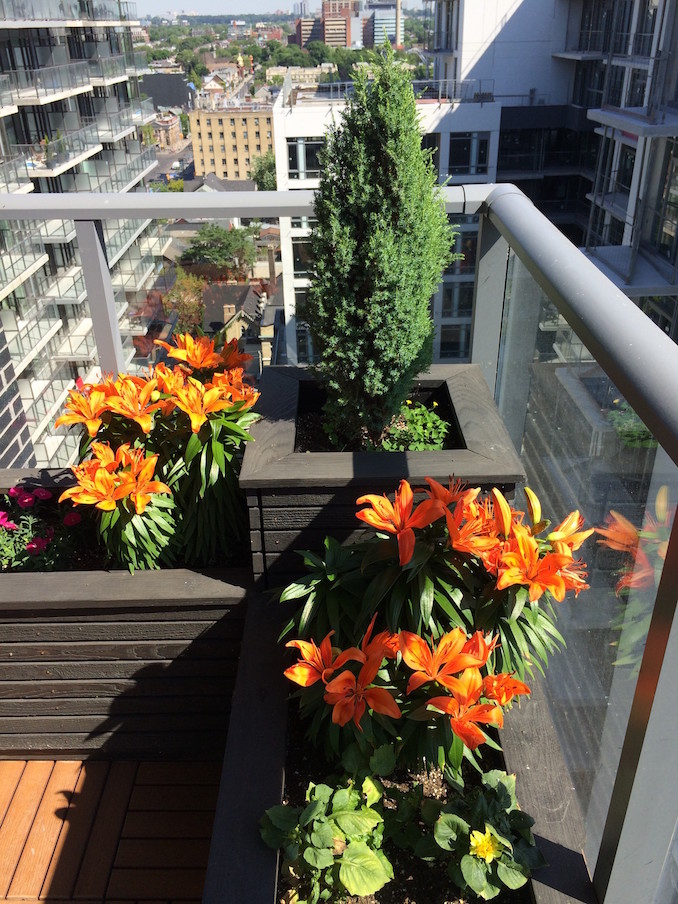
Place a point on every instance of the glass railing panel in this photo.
(53, 153)
(79, 344)
(584, 447)
(13, 175)
(17, 259)
(34, 86)
(107, 67)
(67, 289)
(7, 94)
(23, 343)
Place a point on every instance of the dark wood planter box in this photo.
(296, 498)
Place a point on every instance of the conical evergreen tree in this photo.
(381, 243)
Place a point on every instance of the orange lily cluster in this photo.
(489, 530)
(111, 476)
(642, 546)
(453, 664)
(165, 390)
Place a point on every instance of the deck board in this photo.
(105, 832)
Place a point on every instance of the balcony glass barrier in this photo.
(106, 68)
(584, 447)
(79, 344)
(32, 86)
(18, 256)
(440, 91)
(68, 288)
(143, 111)
(99, 9)
(40, 9)
(136, 62)
(119, 233)
(14, 175)
(44, 397)
(7, 93)
(23, 343)
(49, 154)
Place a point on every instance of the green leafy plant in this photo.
(333, 844)
(482, 835)
(629, 427)
(415, 428)
(380, 245)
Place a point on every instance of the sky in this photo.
(232, 8)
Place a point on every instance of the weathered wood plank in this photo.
(19, 819)
(73, 671)
(110, 650)
(165, 853)
(10, 774)
(63, 870)
(94, 725)
(28, 630)
(147, 825)
(116, 745)
(136, 884)
(197, 773)
(122, 706)
(159, 798)
(94, 687)
(100, 852)
(37, 853)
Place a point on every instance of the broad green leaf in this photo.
(297, 589)
(357, 822)
(475, 873)
(193, 447)
(345, 799)
(361, 871)
(511, 875)
(383, 760)
(319, 792)
(284, 817)
(372, 789)
(322, 835)
(320, 858)
(312, 811)
(450, 830)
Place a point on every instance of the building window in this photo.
(233, 134)
(220, 122)
(221, 135)
(232, 122)
(235, 147)
(467, 244)
(665, 232)
(457, 299)
(212, 161)
(208, 122)
(247, 161)
(302, 157)
(257, 134)
(468, 154)
(247, 147)
(223, 161)
(244, 134)
(268, 120)
(258, 147)
(302, 255)
(256, 120)
(454, 341)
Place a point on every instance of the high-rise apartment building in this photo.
(226, 141)
(71, 119)
(577, 103)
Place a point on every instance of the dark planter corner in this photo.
(296, 498)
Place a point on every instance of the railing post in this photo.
(491, 261)
(100, 295)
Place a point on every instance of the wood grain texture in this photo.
(19, 818)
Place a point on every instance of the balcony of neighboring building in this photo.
(143, 111)
(119, 169)
(7, 96)
(67, 287)
(53, 156)
(133, 271)
(20, 258)
(27, 337)
(107, 70)
(440, 91)
(14, 176)
(136, 63)
(120, 235)
(112, 124)
(37, 87)
(78, 344)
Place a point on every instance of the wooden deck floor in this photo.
(96, 831)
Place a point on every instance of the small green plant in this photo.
(415, 429)
(483, 835)
(629, 427)
(333, 845)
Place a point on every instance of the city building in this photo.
(167, 130)
(226, 141)
(72, 119)
(380, 25)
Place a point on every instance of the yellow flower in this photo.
(485, 847)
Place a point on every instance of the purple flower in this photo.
(5, 522)
(25, 500)
(71, 519)
(37, 545)
(42, 493)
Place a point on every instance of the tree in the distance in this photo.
(185, 298)
(263, 172)
(381, 243)
(232, 250)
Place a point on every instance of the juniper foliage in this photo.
(381, 243)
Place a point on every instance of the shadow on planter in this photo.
(296, 498)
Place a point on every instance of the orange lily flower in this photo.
(465, 712)
(137, 481)
(349, 696)
(569, 532)
(197, 353)
(453, 653)
(133, 401)
(398, 518)
(234, 387)
(86, 408)
(384, 643)
(96, 486)
(523, 565)
(472, 535)
(503, 688)
(316, 663)
(456, 492)
(169, 381)
(573, 575)
(619, 533)
(198, 402)
(638, 576)
(232, 357)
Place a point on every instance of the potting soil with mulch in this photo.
(416, 881)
